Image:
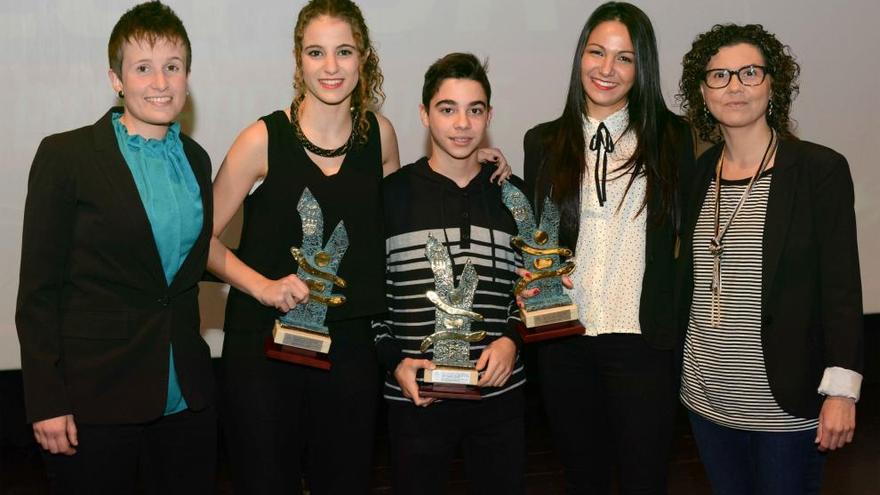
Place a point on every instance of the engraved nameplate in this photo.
(301, 339)
(451, 375)
(549, 316)
(302, 342)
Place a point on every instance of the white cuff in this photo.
(841, 382)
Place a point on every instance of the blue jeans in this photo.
(741, 462)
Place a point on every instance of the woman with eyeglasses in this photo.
(770, 279)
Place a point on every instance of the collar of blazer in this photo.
(123, 185)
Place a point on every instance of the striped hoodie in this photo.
(474, 225)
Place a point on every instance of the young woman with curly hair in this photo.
(770, 275)
(278, 416)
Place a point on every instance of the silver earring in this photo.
(770, 108)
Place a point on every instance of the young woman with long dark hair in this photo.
(611, 162)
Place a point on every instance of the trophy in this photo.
(455, 375)
(549, 314)
(300, 336)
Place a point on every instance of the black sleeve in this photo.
(47, 238)
(840, 281)
(388, 349)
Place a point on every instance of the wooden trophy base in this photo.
(279, 346)
(450, 391)
(295, 355)
(550, 323)
(448, 382)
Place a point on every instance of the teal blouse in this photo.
(173, 202)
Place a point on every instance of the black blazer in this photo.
(95, 316)
(811, 298)
(656, 309)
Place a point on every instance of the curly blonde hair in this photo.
(368, 94)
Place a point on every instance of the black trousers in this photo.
(283, 422)
(173, 454)
(490, 433)
(611, 404)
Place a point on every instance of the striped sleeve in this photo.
(411, 316)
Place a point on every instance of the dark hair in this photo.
(781, 67)
(454, 66)
(368, 92)
(562, 173)
(150, 22)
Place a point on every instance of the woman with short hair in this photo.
(118, 381)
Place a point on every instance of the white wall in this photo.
(54, 78)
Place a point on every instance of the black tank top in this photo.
(272, 225)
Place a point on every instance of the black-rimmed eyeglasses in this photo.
(750, 75)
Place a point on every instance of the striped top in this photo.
(474, 225)
(724, 378)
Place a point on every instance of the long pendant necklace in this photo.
(716, 247)
(314, 148)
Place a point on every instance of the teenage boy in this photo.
(449, 196)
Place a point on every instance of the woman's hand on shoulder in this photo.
(494, 155)
(390, 150)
